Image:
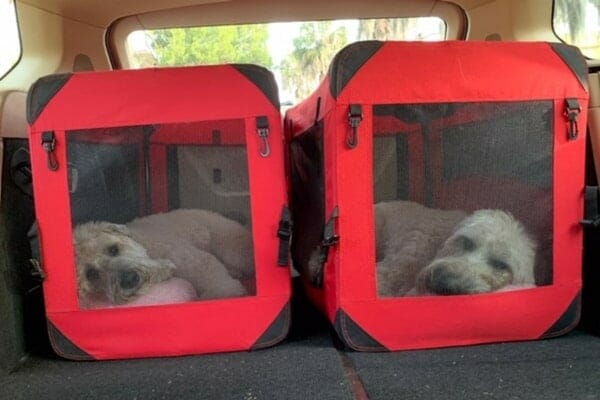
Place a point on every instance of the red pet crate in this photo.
(114, 146)
(451, 125)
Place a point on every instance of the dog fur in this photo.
(122, 262)
(444, 252)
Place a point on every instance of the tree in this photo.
(211, 45)
(314, 48)
(401, 29)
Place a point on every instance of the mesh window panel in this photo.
(161, 213)
(307, 200)
(105, 174)
(436, 166)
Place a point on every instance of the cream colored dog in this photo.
(121, 262)
(429, 251)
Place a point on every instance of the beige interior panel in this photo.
(42, 44)
(13, 123)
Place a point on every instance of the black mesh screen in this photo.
(308, 197)
(468, 157)
(214, 178)
(105, 175)
(161, 213)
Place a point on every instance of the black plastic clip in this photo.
(49, 144)
(36, 270)
(284, 233)
(572, 112)
(355, 116)
(592, 208)
(330, 238)
(262, 128)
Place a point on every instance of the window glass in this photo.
(298, 53)
(10, 46)
(577, 22)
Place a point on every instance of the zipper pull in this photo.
(572, 112)
(262, 128)
(49, 144)
(355, 116)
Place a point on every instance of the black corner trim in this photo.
(64, 347)
(263, 79)
(349, 60)
(567, 321)
(41, 92)
(354, 336)
(277, 331)
(573, 58)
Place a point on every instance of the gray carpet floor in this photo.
(308, 366)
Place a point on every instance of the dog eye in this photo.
(92, 274)
(466, 243)
(499, 265)
(113, 250)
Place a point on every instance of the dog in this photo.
(120, 263)
(447, 252)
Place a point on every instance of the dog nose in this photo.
(128, 279)
(443, 281)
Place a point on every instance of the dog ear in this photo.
(117, 228)
(168, 263)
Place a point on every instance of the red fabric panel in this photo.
(569, 183)
(424, 322)
(58, 258)
(458, 71)
(130, 97)
(312, 109)
(178, 329)
(452, 72)
(111, 136)
(354, 170)
(201, 132)
(267, 186)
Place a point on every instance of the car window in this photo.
(577, 22)
(298, 53)
(10, 45)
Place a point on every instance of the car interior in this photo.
(296, 41)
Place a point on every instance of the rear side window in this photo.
(578, 23)
(298, 53)
(10, 45)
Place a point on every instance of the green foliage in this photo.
(211, 45)
(314, 48)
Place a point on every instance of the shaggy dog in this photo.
(429, 251)
(119, 263)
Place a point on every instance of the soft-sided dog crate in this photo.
(114, 146)
(452, 125)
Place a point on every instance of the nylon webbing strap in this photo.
(284, 233)
(592, 208)
(330, 238)
(36, 270)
